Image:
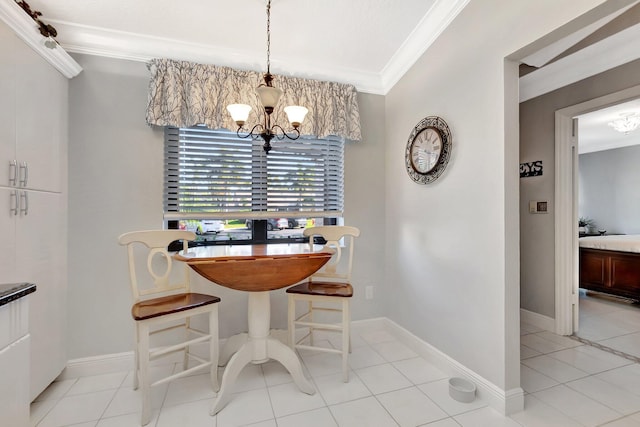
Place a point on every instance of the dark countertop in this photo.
(13, 291)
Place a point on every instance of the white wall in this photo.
(453, 245)
(609, 183)
(449, 271)
(115, 185)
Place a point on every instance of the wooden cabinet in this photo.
(33, 144)
(613, 272)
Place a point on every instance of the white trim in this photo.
(565, 223)
(504, 401)
(137, 47)
(543, 56)
(566, 235)
(108, 43)
(618, 49)
(441, 14)
(538, 320)
(26, 28)
(123, 362)
(97, 365)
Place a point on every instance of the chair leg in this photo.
(136, 361)
(185, 358)
(346, 339)
(213, 348)
(291, 317)
(310, 309)
(145, 392)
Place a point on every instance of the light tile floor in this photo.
(566, 384)
(610, 321)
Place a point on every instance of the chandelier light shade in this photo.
(627, 123)
(239, 113)
(269, 97)
(295, 114)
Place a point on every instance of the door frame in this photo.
(566, 201)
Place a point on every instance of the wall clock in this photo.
(428, 150)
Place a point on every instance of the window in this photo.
(226, 188)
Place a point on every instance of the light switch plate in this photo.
(538, 207)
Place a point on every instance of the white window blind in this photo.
(216, 174)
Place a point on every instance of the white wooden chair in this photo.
(328, 290)
(162, 302)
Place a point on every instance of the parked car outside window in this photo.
(282, 223)
(212, 225)
(272, 223)
(296, 222)
(191, 225)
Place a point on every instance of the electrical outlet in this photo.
(368, 292)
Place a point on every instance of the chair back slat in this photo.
(338, 238)
(156, 242)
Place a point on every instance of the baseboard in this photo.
(97, 365)
(538, 320)
(121, 362)
(505, 401)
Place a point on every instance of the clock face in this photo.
(426, 149)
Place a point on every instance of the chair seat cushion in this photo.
(329, 289)
(170, 304)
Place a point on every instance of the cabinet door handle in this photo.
(13, 203)
(24, 174)
(24, 203)
(13, 173)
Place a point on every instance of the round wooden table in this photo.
(256, 269)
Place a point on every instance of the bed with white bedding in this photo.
(611, 264)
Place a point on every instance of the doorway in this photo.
(566, 197)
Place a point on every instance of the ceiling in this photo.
(594, 133)
(367, 43)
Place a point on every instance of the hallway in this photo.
(610, 321)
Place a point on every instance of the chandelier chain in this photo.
(268, 37)
(269, 97)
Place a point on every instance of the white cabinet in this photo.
(8, 266)
(14, 393)
(7, 103)
(32, 123)
(14, 359)
(35, 238)
(41, 259)
(33, 144)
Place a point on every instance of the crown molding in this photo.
(441, 14)
(27, 30)
(103, 42)
(137, 47)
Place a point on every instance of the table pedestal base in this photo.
(256, 347)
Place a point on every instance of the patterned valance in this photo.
(184, 94)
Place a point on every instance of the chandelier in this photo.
(627, 123)
(269, 97)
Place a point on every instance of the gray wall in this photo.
(609, 183)
(537, 135)
(115, 185)
(453, 245)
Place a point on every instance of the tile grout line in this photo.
(605, 348)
